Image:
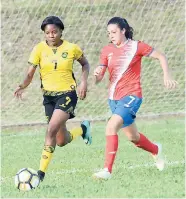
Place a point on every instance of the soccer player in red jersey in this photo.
(122, 58)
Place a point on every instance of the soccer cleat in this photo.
(159, 160)
(103, 174)
(41, 175)
(86, 132)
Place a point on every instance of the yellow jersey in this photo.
(56, 65)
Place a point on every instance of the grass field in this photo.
(69, 174)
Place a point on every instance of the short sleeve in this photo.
(144, 49)
(103, 60)
(34, 58)
(77, 52)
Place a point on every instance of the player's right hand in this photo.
(98, 71)
(18, 93)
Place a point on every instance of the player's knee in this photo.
(52, 130)
(133, 136)
(61, 144)
(63, 139)
(111, 129)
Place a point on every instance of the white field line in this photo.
(146, 165)
(73, 171)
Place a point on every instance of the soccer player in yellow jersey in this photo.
(55, 58)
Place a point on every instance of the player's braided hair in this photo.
(123, 24)
(52, 20)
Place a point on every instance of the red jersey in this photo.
(124, 67)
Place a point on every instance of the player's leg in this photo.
(58, 118)
(49, 109)
(67, 103)
(64, 136)
(141, 141)
(58, 110)
(113, 126)
(131, 131)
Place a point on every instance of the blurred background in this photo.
(159, 23)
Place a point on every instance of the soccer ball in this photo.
(26, 179)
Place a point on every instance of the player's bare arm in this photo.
(168, 81)
(82, 90)
(29, 76)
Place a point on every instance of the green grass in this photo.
(69, 174)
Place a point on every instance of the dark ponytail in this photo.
(123, 24)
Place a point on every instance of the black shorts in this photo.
(66, 102)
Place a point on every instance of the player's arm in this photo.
(84, 77)
(27, 80)
(168, 81)
(34, 61)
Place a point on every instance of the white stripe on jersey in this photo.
(124, 61)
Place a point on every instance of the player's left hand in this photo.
(82, 90)
(169, 82)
